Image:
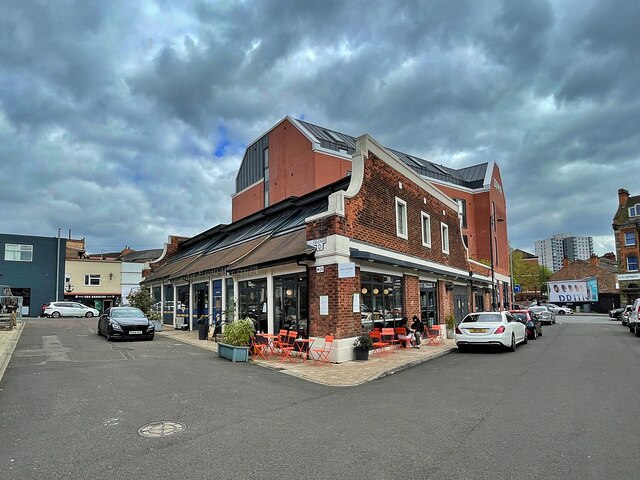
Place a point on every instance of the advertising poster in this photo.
(573, 291)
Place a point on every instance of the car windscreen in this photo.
(126, 313)
(485, 318)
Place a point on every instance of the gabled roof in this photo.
(470, 177)
(142, 255)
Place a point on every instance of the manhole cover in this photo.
(161, 429)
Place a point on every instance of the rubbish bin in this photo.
(203, 328)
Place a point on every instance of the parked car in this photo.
(123, 322)
(490, 328)
(624, 317)
(546, 316)
(634, 318)
(616, 312)
(530, 320)
(558, 310)
(68, 309)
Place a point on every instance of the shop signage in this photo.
(356, 303)
(623, 277)
(318, 243)
(324, 305)
(573, 291)
(320, 269)
(346, 270)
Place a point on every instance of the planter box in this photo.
(362, 354)
(233, 352)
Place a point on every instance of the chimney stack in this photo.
(594, 260)
(565, 262)
(610, 256)
(623, 196)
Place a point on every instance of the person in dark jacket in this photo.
(418, 329)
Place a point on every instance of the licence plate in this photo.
(135, 332)
(477, 330)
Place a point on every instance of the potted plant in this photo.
(362, 345)
(203, 327)
(235, 344)
(451, 326)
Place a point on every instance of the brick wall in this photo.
(371, 216)
(341, 321)
(411, 302)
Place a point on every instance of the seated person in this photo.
(406, 339)
(418, 330)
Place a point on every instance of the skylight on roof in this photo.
(415, 160)
(334, 136)
(440, 169)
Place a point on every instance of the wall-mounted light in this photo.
(448, 287)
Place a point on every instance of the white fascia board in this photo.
(455, 186)
(363, 247)
(333, 153)
(314, 141)
(489, 174)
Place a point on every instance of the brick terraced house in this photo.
(626, 230)
(363, 242)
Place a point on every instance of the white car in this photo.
(490, 328)
(69, 309)
(634, 318)
(558, 310)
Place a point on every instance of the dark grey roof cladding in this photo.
(470, 177)
(142, 255)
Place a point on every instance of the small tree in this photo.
(141, 299)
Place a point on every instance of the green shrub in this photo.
(363, 342)
(450, 321)
(239, 333)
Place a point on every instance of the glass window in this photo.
(633, 211)
(426, 229)
(182, 305)
(290, 303)
(444, 230)
(253, 302)
(18, 253)
(266, 177)
(92, 280)
(401, 218)
(167, 310)
(381, 300)
(632, 264)
(629, 238)
(230, 300)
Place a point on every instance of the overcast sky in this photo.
(126, 121)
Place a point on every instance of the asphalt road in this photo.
(562, 406)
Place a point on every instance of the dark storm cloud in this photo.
(126, 120)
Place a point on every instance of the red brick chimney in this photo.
(610, 256)
(565, 262)
(623, 196)
(594, 260)
(126, 250)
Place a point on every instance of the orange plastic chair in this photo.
(286, 349)
(402, 331)
(281, 341)
(323, 353)
(259, 349)
(389, 336)
(378, 345)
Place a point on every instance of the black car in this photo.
(125, 322)
(531, 321)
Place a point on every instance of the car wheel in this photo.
(98, 331)
(55, 314)
(635, 330)
(526, 338)
(535, 334)
(89, 314)
(561, 312)
(514, 345)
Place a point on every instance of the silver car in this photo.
(69, 309)
(546, 316)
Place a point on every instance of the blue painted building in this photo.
(29, 265)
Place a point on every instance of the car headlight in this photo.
(116, 326)
(151, 326)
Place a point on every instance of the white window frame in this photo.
(445, 238)
(92, 276)
(426, 219)
(628, 269)
(402, 222)
(11, 249)
(633, 211)
(626, 244)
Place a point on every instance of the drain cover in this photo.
(161, 429)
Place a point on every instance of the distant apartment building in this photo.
(551, 251)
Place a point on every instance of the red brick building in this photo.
(626, 230)
(296, 157)
(365, 250)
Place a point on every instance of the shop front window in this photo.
(156, 304)
(230, 301)
(200, 303)
(167, 310)
(182, 305)
(253, 302)
(290, 304)
(381, 300)
(428, 303)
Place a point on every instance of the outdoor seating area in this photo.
(386, 341)
(287, 347)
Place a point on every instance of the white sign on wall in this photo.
(324, 304)
(346, 270)
(356, 303)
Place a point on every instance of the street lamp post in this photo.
(492, 226)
